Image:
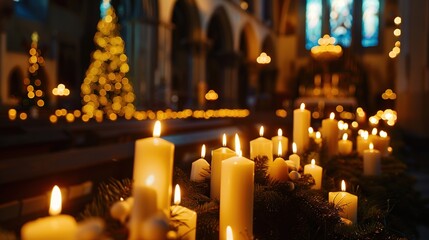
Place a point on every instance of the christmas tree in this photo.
(105, 90)
(34, 95)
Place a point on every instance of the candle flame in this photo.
(121, 199)
(302, 106)
(294, 148)
(318, 134)
(279, 149)
(157, 129)
(383, 134)
(365, 135)
(332, 115)
(237, 145)
(313, 162)
(374, 131)
(280, 132)
(150, 180)
(310, 130)
(229, 235)
(345, 135)
(346, 126)
(261, 131)
(371, 146)
(203, 151)
(224, 140)
(343, 186)
(55, 206)
(177, 197)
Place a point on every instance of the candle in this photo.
(144, 206)
(200, 168)
(343, 127)
(318, 139)
(56, 226)
(278, 170)
(236, 197)
(362, 142)
(261, 147)
(187, 228)
(345, 146)
(311, 133)
(382, 143)
(283, 142)
(373, 137)
(295, 157)
(120, 210)
(346, 201)
(316, 172)
(330, 134)
(229, 234)
(371, 161)
(218, 155)
(154, 156)
(301, 123)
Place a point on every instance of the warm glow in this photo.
(371, 146)
(383, 134)
(150, 180)
(302, 106)
(343, 186)
(177, 197)
(374, 131)
(203, 151)
(397, 20)
(229, 235)
(318, 135)
(294, 148)
(332, 115)
(310, 130)
(224, 140)
(56, 201)
(237, 145)
(313, 162)
(279, 149)
(261, 131)
(279, 132)
(345, 136)
(157, 129)
(263, 58)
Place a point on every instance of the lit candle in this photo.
(236, 197)
(362, 142)
(261, 147)
(382, 143)
(373, 137)
(301, 123)
(295, 157)
(311, 133)
(371, 161)
(278, 170)
(318, 139)
(345, 146)
(218, 155)
(346, 201)
(154, 156)
(187, 228)
(330, 134)
(283, 142)
(316, 172)
(200, 168)
(56, 226)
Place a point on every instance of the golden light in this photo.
(397, 20)
(23, 116)
(313, 162)
(12, 114)
(343, 185)
(355, 124)
(211, 95)
(294, 147)
(345, 135)
(177, 197)
(150, 180)
(261, 131)
(374, 131)
(224, 140)
(318, 135)
(397, 32)
(332, 115)
(56, 201)
(281, 113)
(61, 90)
(302, 106)
(310, 130)
(53, 119)
(237, 146)
(371, 146)
(339, 108)
(279, 149)
(157, 129)
(203, 151)
(383, 134)
(229, 235)
(326, 49)
(263, 58)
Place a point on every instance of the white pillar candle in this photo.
(346, 201)
(284, 141)
(382, 143)
(345, 146)
(301, 123)
(187, 228)
(330, 134)
(236, 197)
(154, 156)
(218, 155)
(261, 147)
(371, 161)
(316, 172)
(278, 170)
(200, 169)
(295, 157)
(56, 226)
(362, 142)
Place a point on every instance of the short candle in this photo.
(316, 172)
(282, 140)
(346, 201)
(295, 157)
(345, 146)
(200, 169)
(187, 229)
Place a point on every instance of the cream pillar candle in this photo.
(382, 143)
(362, 142)
(295, 157)
(371, 161)
(236, 197)
(346, 201)
(316, 172)
(154, 156)
(218, 155)
(261, 147)
(56, 226)
(282, 140)
(200, 169)
(330, 134)
(345, 146)
(187, 229)
(278, 170)
(301, 123)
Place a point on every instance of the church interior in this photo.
(214, 119)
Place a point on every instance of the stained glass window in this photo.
(313, 23)
(370, 22)
(341, 20)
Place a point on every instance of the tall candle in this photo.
(154, 156)
(330, 134)
(56, 226)
(346, 201)
(200, 169)
(371, 161)
(345, 146)
(236, 197)
(218, 155)
(261, 147)
(187, 228)
(283, 142)
(301, 123)
(316, 172)
(362, 142)
(295, 157)
(278, 170)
